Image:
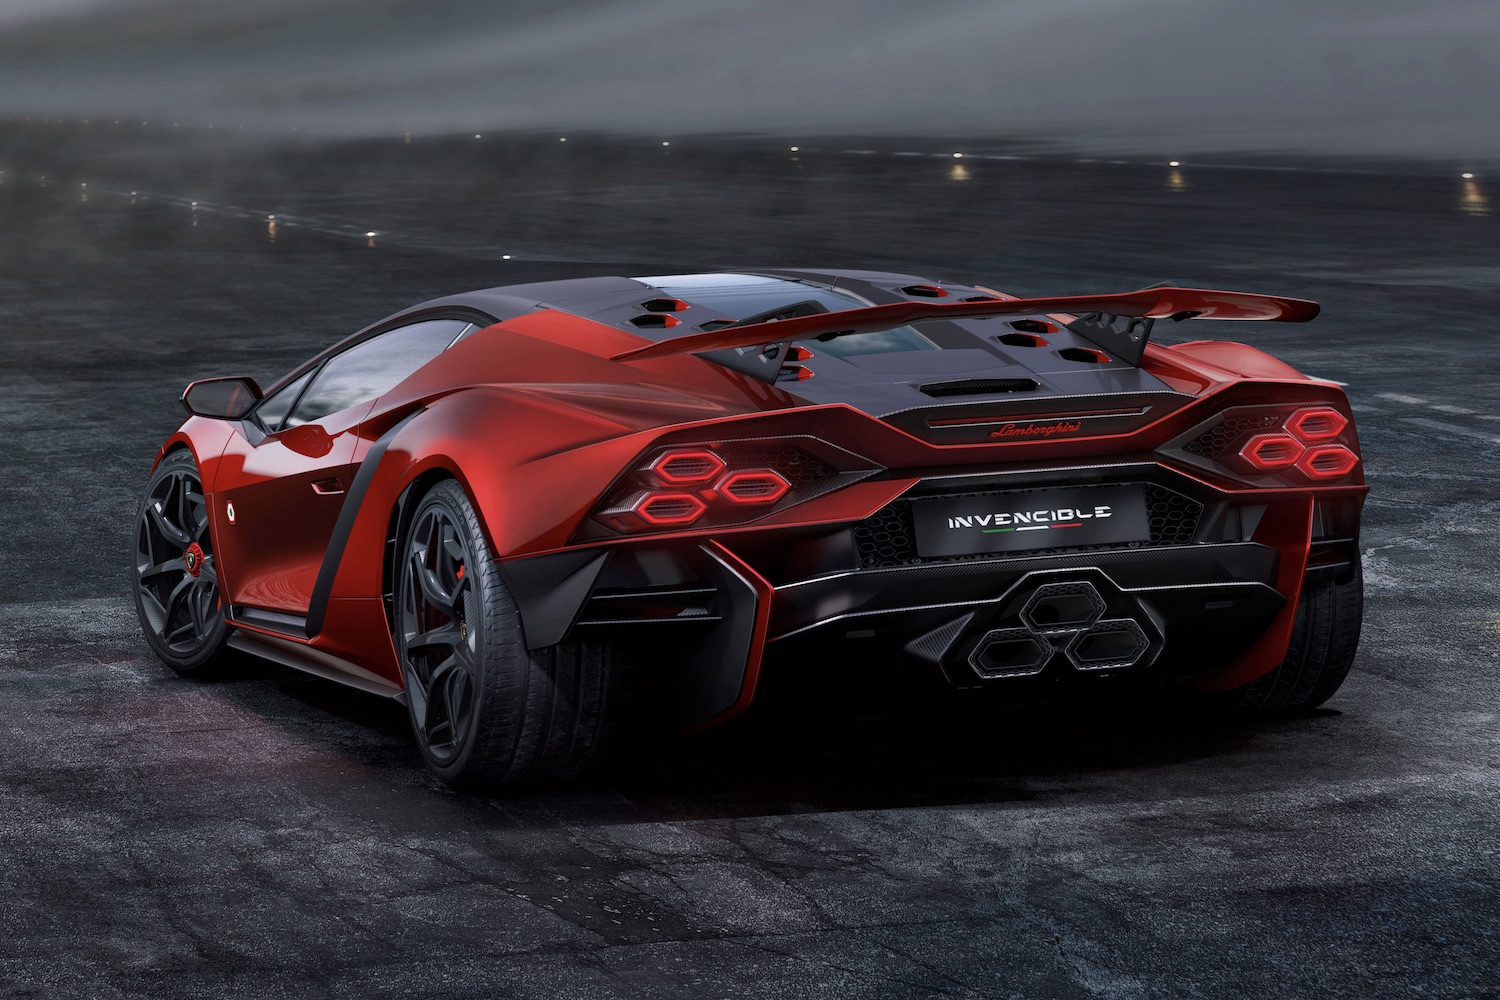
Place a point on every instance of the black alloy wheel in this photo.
(176, 577)
(487, 711)
(439, 648)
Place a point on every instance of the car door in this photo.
(279, 493)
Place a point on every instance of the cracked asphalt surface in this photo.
(263, 833)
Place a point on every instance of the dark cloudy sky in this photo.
(1326, 76)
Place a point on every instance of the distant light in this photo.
(563, 139)
(270, 218)
(796, 149)
(478, 136)
(132, 194)
(1174, 163)
(505, 256)
(958, 156)
(84, 184)
(370, 234)
(195, 204)
(665, 143)
(1468, 177)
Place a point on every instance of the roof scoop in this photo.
(1110, 321)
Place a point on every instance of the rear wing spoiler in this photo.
(1099, 319)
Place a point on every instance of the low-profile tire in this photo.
(176, 578)
(487, 712)
(1325, 637)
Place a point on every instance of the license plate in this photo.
(1044, 519)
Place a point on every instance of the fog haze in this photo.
(1352, 76)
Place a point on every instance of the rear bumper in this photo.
(1188, 607)
(1210, 597)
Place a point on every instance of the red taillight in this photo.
(713, 484)
(670, 508)
(682, 467)
(1318, 424)
(1271, 451)
(1290, 443)
(1327, 461)
(758, 486)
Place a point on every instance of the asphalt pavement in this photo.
(265, 833)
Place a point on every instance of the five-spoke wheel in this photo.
(176, 580)
(439, 649)
(486, 710)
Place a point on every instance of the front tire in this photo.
(176, 580)
(1325, 637)
(487, 712)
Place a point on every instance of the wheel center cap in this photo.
(193, 559)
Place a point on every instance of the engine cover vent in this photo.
(979, 386)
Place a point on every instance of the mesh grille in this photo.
(1217, 439)
(887, 538)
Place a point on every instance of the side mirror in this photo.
(222, 398)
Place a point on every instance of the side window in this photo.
(276, 406)
(371, 367)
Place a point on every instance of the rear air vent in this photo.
(1033, 326)
(979, 386)
(1022, 340)
(981, 298)
(664, 305)
(1084, 354)
(926, 291)
(655, 321)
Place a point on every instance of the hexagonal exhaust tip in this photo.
(1010, 652)
(1062, 607)
(1112, 644)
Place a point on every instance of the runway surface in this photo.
(263, 833)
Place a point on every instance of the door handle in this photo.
(328, 488)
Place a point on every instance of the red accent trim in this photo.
(659, 466)
(798, 353)
(763, 596)
(1013, 419)
(664, 305)
(1287, 527)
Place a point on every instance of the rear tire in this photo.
(487, 712)
(1325, 637)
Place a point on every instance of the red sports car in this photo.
(504, 507)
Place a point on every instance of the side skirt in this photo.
(315, 662)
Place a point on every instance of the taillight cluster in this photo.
(1300, 443)
(1307, 442)
(681, 487)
